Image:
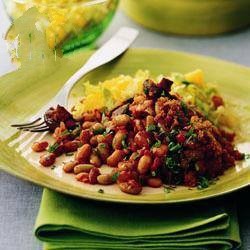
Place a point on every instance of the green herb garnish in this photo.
(115, 176)
(168, 189)
(153, 173)
(52, 148)
(163, 93)
(174, 147)
(203, 182)
(172, 134)
(65, 132)
(107, 131)
(99, 131)
(151, 128)
(172, 165)
(102, 145)
(124, 143)
(76, 131)
(69, 154)
(101, 191)
(190, 133)
(157, 144)
(246, 156)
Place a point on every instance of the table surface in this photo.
(19, 200)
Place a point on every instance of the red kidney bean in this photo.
(59, 150)
(93, 174)
(138, 125)
(121, 120)
(181, 138)
(144, 164)
(95, 160)
(127, 175)
(83, 153)
(154, 182)
(115, 158)
(118, 138)
(126, 165)
(85, 136)
(130, 187)
(190, 179)
(70, 146)
(156, 164)
(93, 141)
(160, 151)
(87, 125)
(82, 177)
(69, 166)
(103, 151)
(40, 146)
(142, 139)
(47, 159)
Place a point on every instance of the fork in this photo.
(114, 47)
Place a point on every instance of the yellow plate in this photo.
(24, 91)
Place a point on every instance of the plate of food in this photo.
(155, 126)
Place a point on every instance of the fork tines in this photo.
(33, 126)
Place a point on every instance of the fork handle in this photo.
(114, 47)
(118, 44)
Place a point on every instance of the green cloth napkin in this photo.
(66, 222)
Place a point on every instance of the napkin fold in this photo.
(66, 222)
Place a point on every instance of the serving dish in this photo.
(67, 25)
(189, 17)
(14, 150)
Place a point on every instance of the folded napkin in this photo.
(66, 222)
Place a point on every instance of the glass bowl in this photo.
(67, 24)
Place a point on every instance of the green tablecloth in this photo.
(66, 222)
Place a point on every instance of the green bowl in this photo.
(66, 24)
(190, 17)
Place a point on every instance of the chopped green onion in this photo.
(174, 148)
(168, 189)
(170, 163)
(246, 156)
(153, 173)
(102, 145)
(115, 176)
(151, 128)
(190, 133)
(101, 191)
(124, 143)
(76, 131)
(99, 131)
(163, 93)
(69, 154)
(52, 148)
(65, 132)
(157, 144)
(203, 182)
